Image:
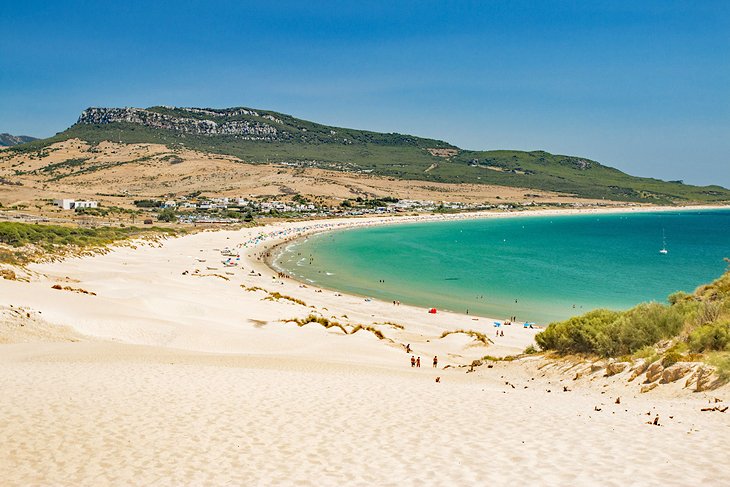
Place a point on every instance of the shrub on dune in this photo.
(710, 337)
(612, 333)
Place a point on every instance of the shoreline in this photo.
(275, 249)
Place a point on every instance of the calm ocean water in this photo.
(537, 268)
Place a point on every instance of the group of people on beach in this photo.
(416, 361)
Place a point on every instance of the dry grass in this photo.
(73, 289)
(321, 320)
(392, 324)
(476, 335)
(330, 323)
(369, 328)
(275, 296)
(211, 275)
(508, 358)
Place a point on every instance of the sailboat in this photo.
(664, 243)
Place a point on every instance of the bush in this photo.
(645, 352)
(707, 312)
(709, 337)
(167, 215)
(678, 297)
(579, 334)
(611, 333)
(721, 360)
(148, 203)
(674, 354)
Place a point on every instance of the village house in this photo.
(71, 204)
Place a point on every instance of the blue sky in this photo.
(642, 86)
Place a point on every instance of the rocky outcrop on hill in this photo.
(245, 129)
(230, 112)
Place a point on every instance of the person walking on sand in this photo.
(408, 348)
(418, 362)
(413, 361)
(435, 361)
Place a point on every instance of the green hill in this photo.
(260, 136)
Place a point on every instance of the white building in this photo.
(64, 204)
(70, 204)
(85, 204)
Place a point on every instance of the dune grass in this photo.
(275, 296)
(253, 288)
(476, 335)
(369, 328)
(327, 323)
(506, 358)
(392, 324)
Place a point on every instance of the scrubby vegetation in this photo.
(275, 296)
(327, 323)
(167, 215)
(613, 333)
(55, 238)
(709, 337)
(691, 327)
(321, 320)
(371, 329)
(253, 288)
(397, 326)
(476, 335)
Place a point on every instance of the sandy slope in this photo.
(111, 414)
(178, 378)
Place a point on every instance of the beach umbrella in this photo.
(497, 323)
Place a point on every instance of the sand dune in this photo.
(90, 414)
(166, 378)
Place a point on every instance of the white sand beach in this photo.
(174, 369)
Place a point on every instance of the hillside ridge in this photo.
(261, 136)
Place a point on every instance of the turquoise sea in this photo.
(538, 268)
